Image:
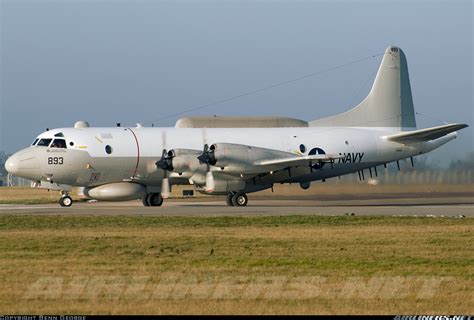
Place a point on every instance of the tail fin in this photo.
(389, 103)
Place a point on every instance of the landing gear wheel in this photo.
(228, 199)
(145, 201)
(65, 201)
(239, 199)
(155, 199)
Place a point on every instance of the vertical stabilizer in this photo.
(389, 102)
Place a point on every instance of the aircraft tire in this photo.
(146, 200)
(228, 199)
(155, 200)
(65, 201)
(239, 199)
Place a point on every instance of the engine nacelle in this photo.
(120, 191)
(185, 160)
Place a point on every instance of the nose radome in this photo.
(23, 164)
(12, 164)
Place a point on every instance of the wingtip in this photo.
(457, 126)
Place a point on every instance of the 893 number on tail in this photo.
(55, 160)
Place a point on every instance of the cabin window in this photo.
(59, 143)
(34, 142)
(44, 142)
(302, 148)
(108, 149)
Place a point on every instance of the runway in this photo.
(448, 207)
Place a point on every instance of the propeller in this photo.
(166, 164)
(207, 156)
(166, 161)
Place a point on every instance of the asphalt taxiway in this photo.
(449, 207)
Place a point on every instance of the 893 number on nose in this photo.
(55, 160)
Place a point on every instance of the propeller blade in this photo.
(210, 184)
(165, 187)
(163, 139)
(204, 157)
(166, 164)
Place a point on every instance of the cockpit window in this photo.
(59, 143)
(34, 142)
(44, 142)
(60, 134)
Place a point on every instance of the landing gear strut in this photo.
(236, 199)
(65, 200)
(152, 200)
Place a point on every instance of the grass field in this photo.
(27, 195)
(236, 265)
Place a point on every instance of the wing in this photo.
(425, 134)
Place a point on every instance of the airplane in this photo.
(233, 156)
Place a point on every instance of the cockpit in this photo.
(57, 142)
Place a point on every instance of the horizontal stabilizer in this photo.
(425, 134)
(299, 160)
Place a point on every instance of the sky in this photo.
(142, 61)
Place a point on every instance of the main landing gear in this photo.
(236, 199)
(65, 200)
(152, 200)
